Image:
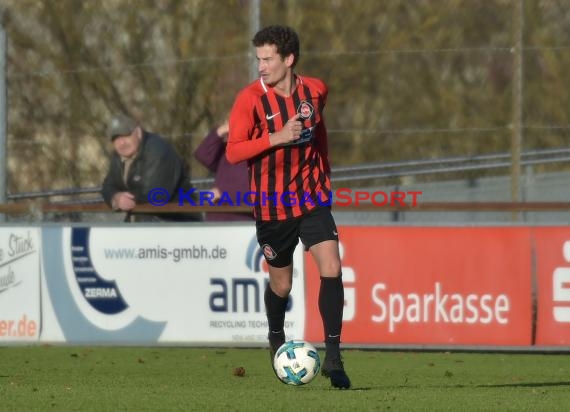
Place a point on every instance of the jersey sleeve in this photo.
(245, 139)
(321, 141)
(322, 145)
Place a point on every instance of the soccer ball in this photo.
(296, 362)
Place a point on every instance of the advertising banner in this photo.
(552, 245)
(432, 286)
(19, 284)
(177, 284)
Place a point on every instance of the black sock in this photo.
(331, 305)
(275, 307)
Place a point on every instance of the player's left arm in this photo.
(321, 135)
(322, 145)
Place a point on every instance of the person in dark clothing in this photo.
(143, 164)
(230, 179)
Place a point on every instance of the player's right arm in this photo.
(248, 138)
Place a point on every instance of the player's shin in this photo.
(275, 307)
(331, 305)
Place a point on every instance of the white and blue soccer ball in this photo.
(296, 362)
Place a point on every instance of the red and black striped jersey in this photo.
(288, 181)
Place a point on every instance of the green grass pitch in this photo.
(97, 378)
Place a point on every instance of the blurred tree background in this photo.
(408, 80)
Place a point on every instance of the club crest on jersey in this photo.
(268, 252)
(305, 109)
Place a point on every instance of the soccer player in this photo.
(276, 124)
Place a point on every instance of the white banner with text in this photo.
(149, 285)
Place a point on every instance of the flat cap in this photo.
(120, 125)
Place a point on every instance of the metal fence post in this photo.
(253, 28)
(516, 142)
(3, 116)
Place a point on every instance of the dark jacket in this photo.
(229, 178)
(157, 165)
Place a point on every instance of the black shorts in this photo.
(278, 239)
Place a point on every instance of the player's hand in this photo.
(289, 133)
(123, 201)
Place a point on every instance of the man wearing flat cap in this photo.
(143, 161)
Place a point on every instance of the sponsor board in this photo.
(20, 318)
(432, 286)
(146, 285)
(552, 245)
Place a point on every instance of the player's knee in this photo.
(281, 288)
(330, 269)
(281, 285)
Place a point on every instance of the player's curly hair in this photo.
(284, 37)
